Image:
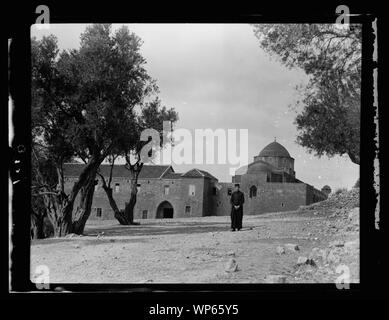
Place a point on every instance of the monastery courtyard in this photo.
(204, 250)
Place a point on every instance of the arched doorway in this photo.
(253, 191)
(165, 210)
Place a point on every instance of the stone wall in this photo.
(222, 205)
(276, 197)
(315, 195)
(150, 195)
(271, 197)
(208, 200)
(209, 196)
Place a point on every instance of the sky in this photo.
(217, 76)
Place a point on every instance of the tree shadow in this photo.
(156, 228)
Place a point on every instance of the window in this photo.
(229, 191)
(98, 212)
(214, 191)
(166, 190)
(144, 214)
(192, 189)
(282, 204)
(275, 177)
(117, 187)
(187, 209)
(253, 191)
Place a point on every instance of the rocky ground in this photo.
(317, 243)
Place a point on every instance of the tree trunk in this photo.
(83, 211)
(61, 227)
(37, 231)
(86, 185)
(59, 206)
(118, 215)
(129, 208)
(59, 211)
(111, 200)
(126, 217)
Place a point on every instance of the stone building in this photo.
(269, 184)
(162, 193)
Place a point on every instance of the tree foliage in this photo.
(83, 106)
(329, 122)
(151, 116)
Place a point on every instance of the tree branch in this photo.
(102, 179)
(46, 192)
(111, 171)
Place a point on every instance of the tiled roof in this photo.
(147, 172)
(172, 175)
(153, 171)
(196, 173)
(193, 173)
(207, 174)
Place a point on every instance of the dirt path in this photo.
(190, 250)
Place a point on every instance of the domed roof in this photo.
(274, 149)
(259, 166)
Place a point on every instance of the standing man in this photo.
(237, 200)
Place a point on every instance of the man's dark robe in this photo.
(237, 199)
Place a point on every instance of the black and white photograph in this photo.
(197, 153)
